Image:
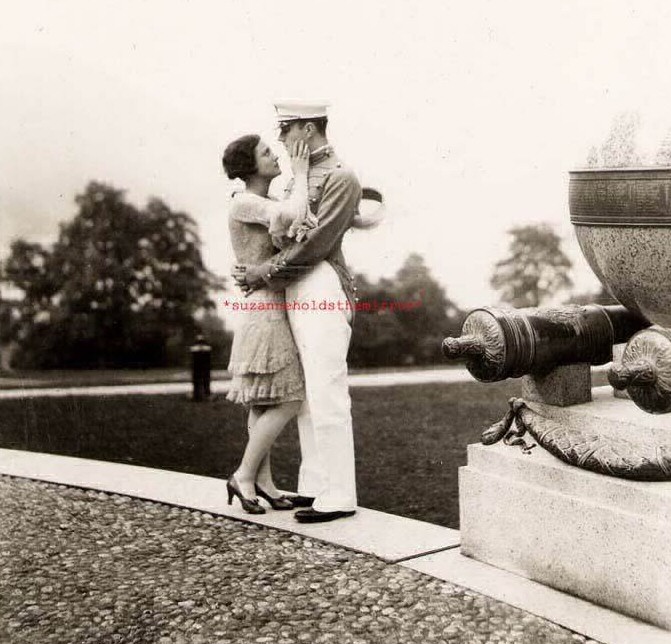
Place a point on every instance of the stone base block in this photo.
(603, 539)
(563, 386)
(611, 416)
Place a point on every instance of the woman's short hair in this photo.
(239, 158)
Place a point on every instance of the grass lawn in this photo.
(410, 439)
(95, 377)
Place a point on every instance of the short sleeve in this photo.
(277, 216)
(250, 209)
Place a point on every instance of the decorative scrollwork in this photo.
(585, 448)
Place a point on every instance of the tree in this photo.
(212, 327)
(409, 317)
(620, 148)
(664, 152)
(593, 158)
(25, 273)
(536, 268)
(377, 336)
(602, 296)
(118, 284)
(10, 318)
(425, 326)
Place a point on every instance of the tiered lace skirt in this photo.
(264, 360)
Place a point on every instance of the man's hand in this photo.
(248, 278)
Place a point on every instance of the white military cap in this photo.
(300, 111)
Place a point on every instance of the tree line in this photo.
(127, 287)
(121, 287)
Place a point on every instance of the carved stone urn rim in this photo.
(634, 197)
(636, 168)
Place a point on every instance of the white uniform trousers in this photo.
(327, 469)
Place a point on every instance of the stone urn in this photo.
(622, 220)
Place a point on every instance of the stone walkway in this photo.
(381, 379)
(86, 567)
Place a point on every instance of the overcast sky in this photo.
(466, 115)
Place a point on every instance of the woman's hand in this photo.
(247, 278)
(299, 156)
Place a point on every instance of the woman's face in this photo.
(266, 161)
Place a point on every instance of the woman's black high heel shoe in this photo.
(251, 506)
(276, 503)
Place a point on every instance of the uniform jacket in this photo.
(334, 194)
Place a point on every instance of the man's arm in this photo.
(339, 204)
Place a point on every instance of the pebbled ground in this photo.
(85, 567)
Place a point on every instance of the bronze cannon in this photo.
(499, 343)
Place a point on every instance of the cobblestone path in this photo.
(84, 567)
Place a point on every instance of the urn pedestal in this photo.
(586, 509)
(601, 538)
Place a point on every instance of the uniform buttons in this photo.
(268, 275)
(284, 262)
(354, 289)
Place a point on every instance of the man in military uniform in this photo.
(314, 270)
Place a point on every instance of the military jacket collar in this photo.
(321, 153)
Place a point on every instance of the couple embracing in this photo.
(291, 361)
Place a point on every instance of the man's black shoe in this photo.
(301, 501)
(315, 516)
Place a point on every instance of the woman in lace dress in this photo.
(267, 374)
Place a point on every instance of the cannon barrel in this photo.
(501, 343)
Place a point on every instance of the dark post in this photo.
(201, 365)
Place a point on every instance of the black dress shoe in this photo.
(300, 501)
(251, 506)
(282, 502)
(315, 516)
